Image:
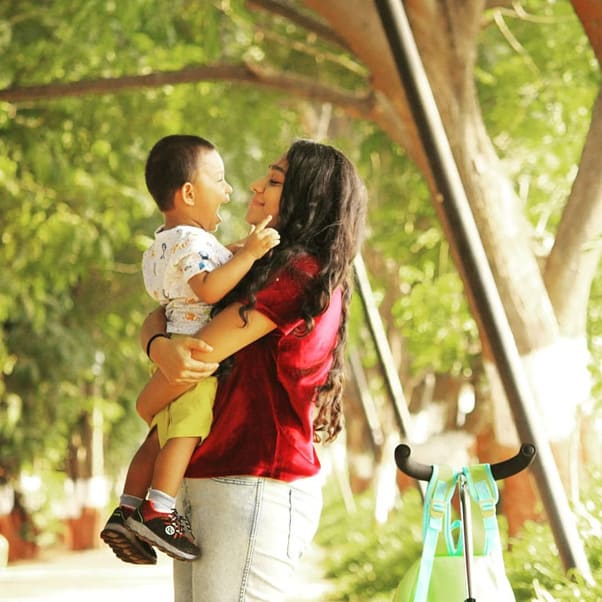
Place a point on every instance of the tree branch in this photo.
(359, 105)
(575, 256)
(340, 59)
(282, 9)
(590, 15)
(498, 4)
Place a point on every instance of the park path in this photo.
(96, 575)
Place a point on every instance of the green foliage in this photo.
(534, 568)
(430, 308)
(537, 80)
(366, 561)
(440, 333)
(75, 216)
(594, 320)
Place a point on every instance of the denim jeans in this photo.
(252, 532)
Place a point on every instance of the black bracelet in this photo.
(155, 336)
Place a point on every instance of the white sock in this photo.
(162, 502)
(130, 501)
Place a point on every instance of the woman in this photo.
(252, 492)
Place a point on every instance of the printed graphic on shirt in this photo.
(175, 256)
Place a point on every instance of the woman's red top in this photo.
(263, 410)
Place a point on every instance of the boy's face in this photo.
(210, 190)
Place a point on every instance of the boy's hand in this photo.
(260, 239)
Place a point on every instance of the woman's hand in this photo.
(174, 357)
(187, 360)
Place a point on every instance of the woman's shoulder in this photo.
(293, 278)
(305, 263)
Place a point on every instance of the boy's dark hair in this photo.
(171, 163)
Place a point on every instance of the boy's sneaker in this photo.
(168, 531)
(123, 542)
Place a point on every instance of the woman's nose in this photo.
(257, 186)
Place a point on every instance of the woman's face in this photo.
(266, 194)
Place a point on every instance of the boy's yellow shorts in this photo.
(190, 415)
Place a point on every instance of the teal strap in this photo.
(455, 545)
(483, 490)
(438, 495)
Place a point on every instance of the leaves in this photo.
(366, 561)
(538, 79)
(74, 212)
(75, 216)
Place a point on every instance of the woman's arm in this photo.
(187, 360)
(176, 361)
(226, 333)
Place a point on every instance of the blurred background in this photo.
(85, 91)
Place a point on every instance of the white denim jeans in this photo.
(252, 532)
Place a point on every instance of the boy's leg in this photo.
(171, 464)
(157, 520)
(116, 534)
(140, 472)
(157, 394)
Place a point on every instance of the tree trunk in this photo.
(548, 324)
(449, 58)
(83, 468)
(571, 266)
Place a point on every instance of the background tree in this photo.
(88, 89)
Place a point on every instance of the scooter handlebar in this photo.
(499, 470)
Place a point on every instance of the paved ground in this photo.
(96, 575)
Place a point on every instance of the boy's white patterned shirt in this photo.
(175, 256)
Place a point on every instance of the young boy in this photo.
(186, 270)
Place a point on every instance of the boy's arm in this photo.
(212, 286)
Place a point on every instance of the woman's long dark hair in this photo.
(322, 210)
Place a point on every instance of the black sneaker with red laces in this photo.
(168, 531)
(125, 545)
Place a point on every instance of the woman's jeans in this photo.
(252, 532)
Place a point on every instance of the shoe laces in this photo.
(181, 524)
